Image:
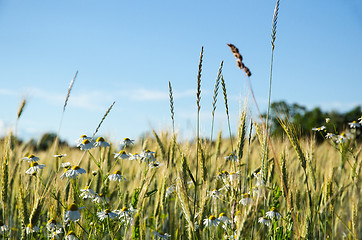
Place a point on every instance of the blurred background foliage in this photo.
(305, 119)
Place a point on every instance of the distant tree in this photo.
(47, 140)
(305, 120)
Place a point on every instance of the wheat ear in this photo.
(104, 117)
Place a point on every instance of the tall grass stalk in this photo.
(20, 112)
(198, 98)
(273, 36)
(227, 110)
(56, 142)
(104, 117)
(235, 51)
(214, 101)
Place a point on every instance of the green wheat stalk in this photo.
(273, 36)
(198, 98)
(216, 92)
(227, 109)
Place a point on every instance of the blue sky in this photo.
(127, 51)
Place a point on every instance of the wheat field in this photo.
(248, 185)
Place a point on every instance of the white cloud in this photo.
(93, 100)
(8, 92)
(143, 94)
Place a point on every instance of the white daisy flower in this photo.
(211, 222)
(56, 234)
(81, 139)
(273, 213)
(354, 124)
(161, 235)
(101, 143)
(156, 164)
(86, 145)
(106, 214)
(214, 193)
(31, 229)
(126, 142)
(133, 156)
(87, 193)
(224, 219)
(148, 156)
(328, 120)
(34, 167)
(53, 226)
(71, 236)
(341, 138)
(330, 135)
(237, 216)
(66, 165)
(116, 176)
(259, 180)
(318, 129)
(170, 190)
(232, 157)
(101, 199)
(223, 175)
(234, 177)
(121, 154)
(72, 214)
(60, 155)
(73, 172)
(126, 214)
(31, 158)
(265, 221)
(3, 227)
(246, 199)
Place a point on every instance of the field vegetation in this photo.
(278, 177)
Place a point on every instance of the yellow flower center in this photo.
(107, 211)
(126, 139)
(30, 226)
(225, 172)
(273, 209)
(101, 194)
(246, 195)
(76, 167)
(85, 141)
(121, 152)
(117, 172)
(147, 151)
(212, 217)
(71, 233)
(31, 156)
(83, 136)
(221, 214)
(33, 164)
(125, 209)
(100, 139)
(86, 187)
(73, 207)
